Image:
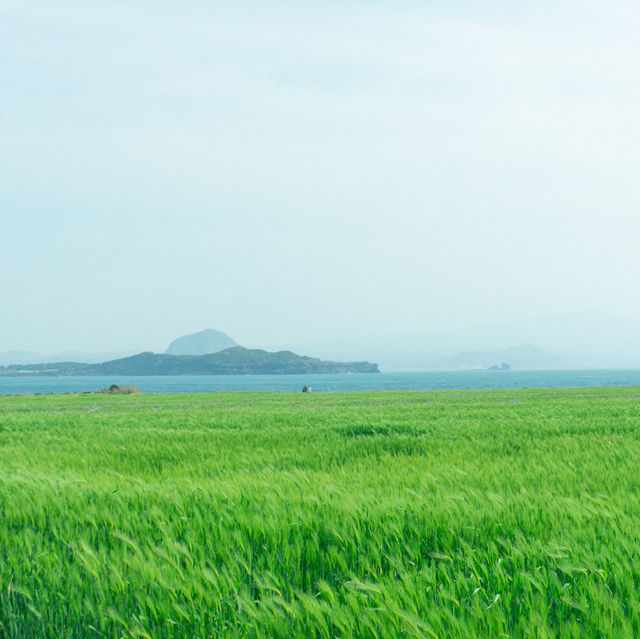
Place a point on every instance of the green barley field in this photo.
(403, 514)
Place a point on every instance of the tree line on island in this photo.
(233, 360)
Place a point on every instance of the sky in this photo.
(291, 171)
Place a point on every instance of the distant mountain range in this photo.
(32, 357)
(520, 357)
(574, 341)
(231, 361)
(201, 343)
(581, 340)
(210, 342)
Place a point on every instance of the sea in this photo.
(328, 383)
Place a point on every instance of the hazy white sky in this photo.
(285, 171)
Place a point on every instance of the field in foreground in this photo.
(467, 514)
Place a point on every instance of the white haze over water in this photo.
(297, 172)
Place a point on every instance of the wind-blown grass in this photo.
(467, 514)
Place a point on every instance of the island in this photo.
(236, 360)
(502, 367)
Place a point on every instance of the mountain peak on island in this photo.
(204, 342)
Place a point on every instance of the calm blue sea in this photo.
(431, 380)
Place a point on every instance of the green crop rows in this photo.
(467, 514)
